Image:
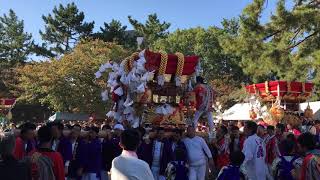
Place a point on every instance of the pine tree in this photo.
(15, 44)
(64, 28)
(15, 47)
(282, 48)
(152, 30)
(116, 32)
(113, 32)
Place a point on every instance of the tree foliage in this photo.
(243, 50)
(64, 28)
(152, 30)
(68, 84)
(15, 47)
(117, 33)
(15, 44)
(285, 47)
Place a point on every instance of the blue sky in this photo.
(180, 13)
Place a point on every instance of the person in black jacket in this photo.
(10, 168)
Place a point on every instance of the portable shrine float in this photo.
(151, 87)
(6, 104)
(281, 101)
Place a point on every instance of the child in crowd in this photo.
(287, 167)
(178, 170)
(232, 171)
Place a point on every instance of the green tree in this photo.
(15, 44)
(64, 28)
(117, 33)
(15, 47)
(68, 83)
(152, 30)
(285, 47)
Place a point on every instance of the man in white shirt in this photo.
(254, 165)
(198, 155)
(127, 166)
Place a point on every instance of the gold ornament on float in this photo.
(308, 112)
(163, 63)
(180, 64)
(268, 119)
(128, 62)
(176, 118)
(277, 112)
(253, 114)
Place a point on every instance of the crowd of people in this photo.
(75, 151)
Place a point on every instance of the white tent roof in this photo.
(69, 116)
(241, 111)
(237, 112)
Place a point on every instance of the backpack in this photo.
(42, 167)
(284, 169)
(310, 167)
(230, 173)
(180, 170)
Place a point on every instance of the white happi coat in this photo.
(254, 164)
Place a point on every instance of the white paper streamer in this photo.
(110, 114)
(165, 109)
(104, 95)
(161, 80)
(98, 74)
(102, 68)
(119, 91)
(128, 110)
(141, 88)
(108, 65)
(178, 81)
(128, 101)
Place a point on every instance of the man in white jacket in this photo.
(254, 165)
(198, 155)
(127, 166)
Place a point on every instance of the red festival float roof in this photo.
(7, 103)
(153, 63)
(287, 91)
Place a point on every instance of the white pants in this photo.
(198, 114)
(197, 172)
(155, 172)
(90, 176)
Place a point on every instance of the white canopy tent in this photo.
(241, 111)
(238, 112)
